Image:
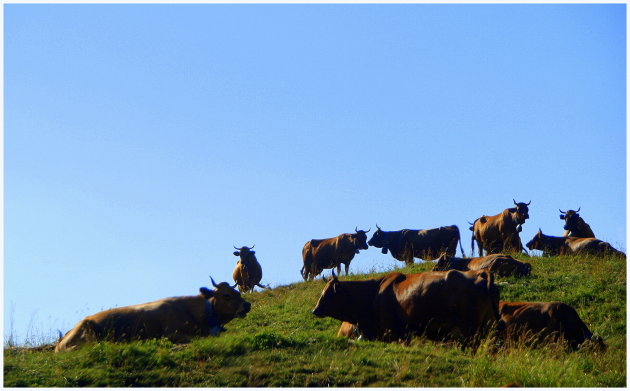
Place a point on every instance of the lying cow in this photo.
(556, 245)
(574, 225)
(503, 265)
(176, 318)
(247, 273)
(544, 321)
(396, 306)
(320, 254)
(499, 233)
(425, 244)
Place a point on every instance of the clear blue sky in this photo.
(143, 141)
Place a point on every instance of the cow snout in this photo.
(317, 311)
(244, 309)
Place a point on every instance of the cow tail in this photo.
(472, 244)
(459, 239)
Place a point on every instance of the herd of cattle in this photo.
(457, 300)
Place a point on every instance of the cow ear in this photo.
(252, 252)
(577, 215)
(561, 217)
(206, 293)
(236, 253)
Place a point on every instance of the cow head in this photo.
(332, 302)
(539, 242)
(571, 218)
(522, 212)
(359, 239)
(245, 253)
(379, 239)
(443, 263)
(227, 301)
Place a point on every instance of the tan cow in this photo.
(561, 245)
(320, 254)
(499, 233)
(176, 318)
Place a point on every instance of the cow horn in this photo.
(234, 286)
(530, 201)
(235, 247)
(377, 227)
(562, 211)
(368, 230)
(213, 283)
(253, 246)
(578, 209)
(514, 201)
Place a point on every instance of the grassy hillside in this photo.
(281, 344)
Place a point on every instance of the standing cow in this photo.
(320, 254)
(396, 306)
(176, 318)
(247, 273)
(561, 245)
(499, 233)
(574, 225)
(425, 244)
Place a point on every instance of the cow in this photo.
(439, 305)
(320, 254)
(532, 322)
(177, 318)
(247, 273)
(425, 244)
(574, 225)
(561, 245)
(499, 233)
(502, 265)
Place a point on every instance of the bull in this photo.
(568, 245)
(177, 318)
(247, 273)
(499, 233)
(545, 321)
(425, 244)
(574, 225)
(320, 254)
(439, 305)
(502, 265)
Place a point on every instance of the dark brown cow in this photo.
(247, 273)
(561, 245)
(574, 225)
(176, 318)
(544, 321)
(499, 233)
(425, 244)
(502, 265)
(396, 306)
(320, 254)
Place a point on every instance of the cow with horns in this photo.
(499, 233)
(247, 273)
(176, 318)
(425, 244)
(574, 225)
(320, 254)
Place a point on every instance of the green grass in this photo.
(280, 344)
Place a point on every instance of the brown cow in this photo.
(499, 233)
(574, 225)
(247, 273)
(397, 306)
(561, 245)
(425, 244)
(544, 321)
(320, 254)
(502, 265)
(176, 318)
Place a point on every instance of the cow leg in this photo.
(347, 265)
(339, 269)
